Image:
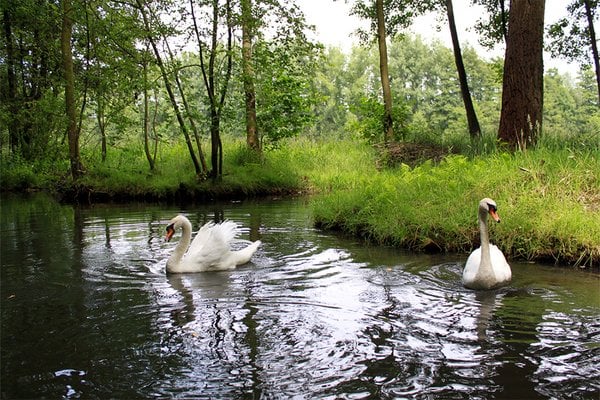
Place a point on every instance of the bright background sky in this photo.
(335, 27)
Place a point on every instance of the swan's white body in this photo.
(486, 267)
(210, 249)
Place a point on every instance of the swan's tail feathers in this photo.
(244, 255)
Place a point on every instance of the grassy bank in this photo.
(549, 201)
(300, 166)
(126, 175)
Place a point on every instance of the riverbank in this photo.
(549, 200)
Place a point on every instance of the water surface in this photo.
(88, 312)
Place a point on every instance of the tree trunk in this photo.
(474, 129)
(590, 18)
(248, 76)
(146, 121)
(67, 59)
(388, 129)
(216, 147)
(523, 82)
(102, 127)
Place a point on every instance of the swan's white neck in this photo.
(182, 246)
(485, 267)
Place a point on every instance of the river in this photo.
(88, 312)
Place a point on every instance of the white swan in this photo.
(486, 267)
(210, 249)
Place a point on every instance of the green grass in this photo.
(548, 200)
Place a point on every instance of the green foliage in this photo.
(285, 95)
(369, 120)
(570, 37)
(20, 174)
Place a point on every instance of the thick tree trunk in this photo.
(523, 83)
(474, 129)
(590, 18)
(69, 76)
(388, 128)
(247, 28)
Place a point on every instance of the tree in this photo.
(248, 26)
(216, 82)
(333, 83)
(522, 90)
(111, 62)
(474, 129)
(388, 127)
(574, 38)
(69, 76)
(285, 87)
(493, 26)
(11, 79)
(31, 77)
(142, 8)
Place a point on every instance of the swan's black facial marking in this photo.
(493, 211)
(170, 232)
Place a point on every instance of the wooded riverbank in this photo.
(548, 198)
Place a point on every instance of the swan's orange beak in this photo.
(170, 233)
(494, 215)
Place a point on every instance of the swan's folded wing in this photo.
(212, 242)
(201, 237)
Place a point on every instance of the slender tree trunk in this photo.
(69, 76)
(388, 128)
(474, 129)
(146, 121)
(523, 82)
(169, 89)
(503, 20)
(590, 18)
(102, 127)
(248, 76)
(154, 133)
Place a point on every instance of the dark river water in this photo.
(88, 312)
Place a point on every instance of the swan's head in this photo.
(488, 206)
(173, 225)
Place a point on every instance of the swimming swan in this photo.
(486, 267)
(209, 251)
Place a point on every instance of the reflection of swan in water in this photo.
(486, 267)
(210, 249)
(488, 302)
